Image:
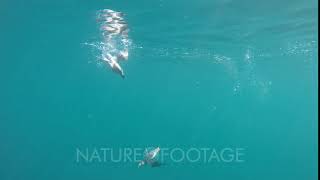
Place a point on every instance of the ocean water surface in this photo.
(200, 74)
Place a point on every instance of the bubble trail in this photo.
(115, 40)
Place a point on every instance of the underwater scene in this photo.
(159, 89)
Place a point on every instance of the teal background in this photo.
(205, 73)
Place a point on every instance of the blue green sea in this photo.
(211, 74)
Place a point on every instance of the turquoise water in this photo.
(204, 73)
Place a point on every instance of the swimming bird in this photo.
(150, 157)
(115, 66)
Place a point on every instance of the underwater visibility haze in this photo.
(223, 75)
